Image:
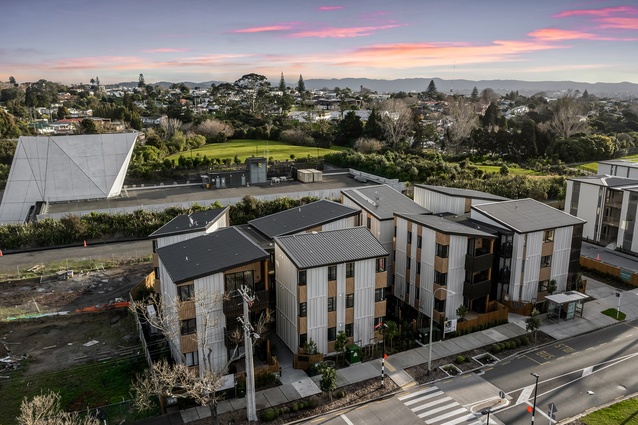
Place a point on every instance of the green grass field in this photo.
(623, 413)
(593, 166)
(249, 148)
(513, 170)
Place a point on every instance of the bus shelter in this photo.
(565, 306)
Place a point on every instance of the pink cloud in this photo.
(607, 11)
(619, 23)
(328, 8)
(333, 32)
(269, 28)
(554, 34)
(165, 50)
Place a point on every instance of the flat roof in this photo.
(619, 162)
(606, 180)
(209, 254)
(527, 215)
(187, 223)
(445, 224)
(382, 201)
(301, 218)
(317, 249)
(566, 297)
(463, 193)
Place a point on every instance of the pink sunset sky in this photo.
(72, 41)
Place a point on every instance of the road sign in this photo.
(501, 394)
(552, 410)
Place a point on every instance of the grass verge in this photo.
(612, 312)
(625, 412)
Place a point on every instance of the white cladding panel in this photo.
(169, 301)
(211, 321)
(560, 257)
(171, 239)
(455, 274)
(438, 202)
(428, 251)
(317, 320)
(532, 265)
(568, 196)
(587, 206)
(364, 280)
(401, 256)
(287, 303)
(344, 223)
(517, 266)
(412, 272)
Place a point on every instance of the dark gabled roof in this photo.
(527, 215)
(302, 218)
(606, 180)
(316, 249)
(209, 254)
(450, 226)
(463, 193)
(383, 201)
(199, 220)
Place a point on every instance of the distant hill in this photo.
(526, 88)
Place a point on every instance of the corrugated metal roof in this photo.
(463, 193)
(606, 180)
(445, 224)
(383, 201)
(316, 249)
(182, 224)
(527, 215)
(302, 218)
(206, 255)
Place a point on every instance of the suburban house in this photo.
(327, 282)
(377, 205)
(199, 282)
(442, 261)
(608, 203)
(536, 244)
(440, 199)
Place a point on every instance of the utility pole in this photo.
(249, 334)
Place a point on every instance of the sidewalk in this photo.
(296, 384)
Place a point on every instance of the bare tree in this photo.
(396, 121)
(463, 120)
(45, 409)
(170, 126)
(367, 145)
(215, 130)
(567, 119)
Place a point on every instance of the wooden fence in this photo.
(305, 361)
(497, 313)
(624, 275)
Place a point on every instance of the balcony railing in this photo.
(504, 276)
(506, 250)
(479, 262)
(476, 290)
(234, 306)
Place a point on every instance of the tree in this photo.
(170, 126)
(461, 312)
(462, 121)
(474, 95)
(328, 381)
(310, 347)
(12, 80)
(301, 86)
(340, 343)
(389, 330)
(88, 126)
(282, 84)
(431, 92)
(141, 82)
(8, 127)
(45, 409)
(214, 130)
(349, 129)
(367, 146)
(42, 93)
(256, 90)
(490, 119)
(62, 112)
(533, 323)
(373, 127)
(566, 120)
(396, 122)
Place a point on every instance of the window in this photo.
(332, 272)
(409, 237)
(192, 358)
(395, 231)
(349, 330)
(378, 295)
(442, 250)
(234, 281)
(301, 277)
(155, 245)
(303, 338)
(408, 263)
(440, 278)
(546, 261)
(439, 305)
(407, 288)
(417, 292)
(186, 292)
(419, 241)
(188, 326)
(378, 322)
(369, 222)
(349, 300)
(349, 269)
(548, 235)
(303, 309)
(332, 305)
(543, 286)
(418, 268)
(332, 334)
(380, 265)
(156, 270)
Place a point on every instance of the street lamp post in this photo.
(431, 326)
(487, 412)
(535, 375)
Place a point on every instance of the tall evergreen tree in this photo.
(141, 82)
(373, 128)
(282, 84)
(474, 95)
(431, 92)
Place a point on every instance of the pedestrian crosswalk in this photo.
(436, 408)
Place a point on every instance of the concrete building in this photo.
(439, 199)
(328, 282)
(64, 168)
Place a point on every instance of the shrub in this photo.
(268, 415)
(302, 405)
(518, 342)
(460, 359)
(495, 348)
(295, 407)
(524, 340)
(286, 409)
(502, 345)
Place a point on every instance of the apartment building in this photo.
(439, 199)
(618, 168)
(328, 282)
(199, 282)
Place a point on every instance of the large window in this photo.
(543, 286)
(419, 241)
(548, 236)
(349, 300)
(332, 304)
(234, 281)
(439, 305)
(418, 268)
(380, 265)
(440, 278)
(369, 222)
(332, 272)
(546, 261)
(332, 334)
(192, 358)
(409, 237)
(303, 309)
(303, 338)
(302, 277)
(417, 292)
(378, 295)
(349, 330)
(349, 269)
(442, 250)
(186, 292)
(408, 263)
(188, 326)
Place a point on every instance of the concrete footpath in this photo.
(296, 384)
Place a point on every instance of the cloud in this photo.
(334, 32)
(165, 50)
(607, 11)
(328, 8)
(269, 28)
(619, 23)
(554, 34)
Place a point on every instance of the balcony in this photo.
(611, 221)
(504, 276)
(477, 263)
(506, 250)
(476, 290)
(234, 306)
